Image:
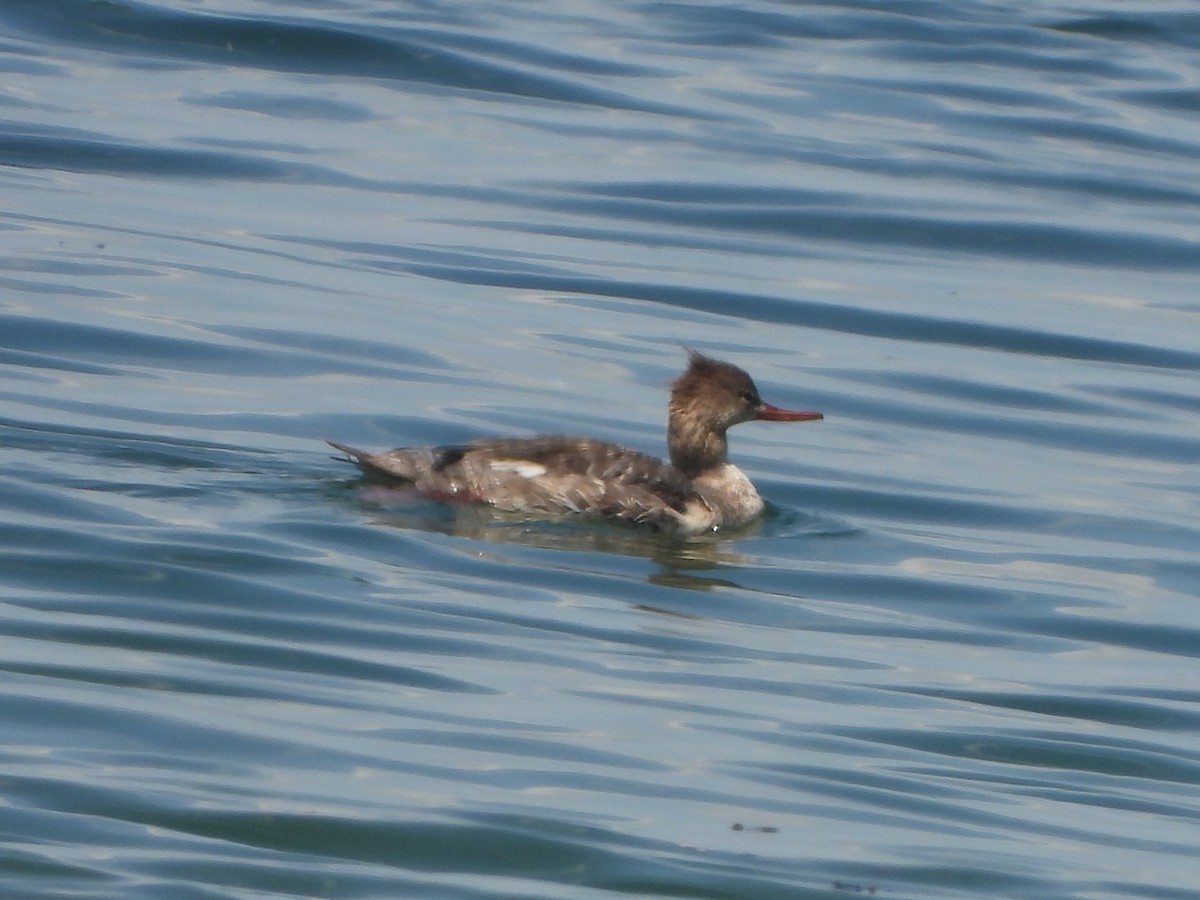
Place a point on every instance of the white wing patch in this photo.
(521, 467)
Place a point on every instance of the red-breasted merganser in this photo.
(698, 491)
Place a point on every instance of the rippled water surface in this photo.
(957, 657)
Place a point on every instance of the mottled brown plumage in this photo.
(698, 491)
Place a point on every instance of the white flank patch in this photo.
(519, 467)
(697, 518)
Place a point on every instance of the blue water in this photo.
(957, 658)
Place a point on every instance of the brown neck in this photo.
(694, 446)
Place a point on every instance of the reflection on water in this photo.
(680, 558)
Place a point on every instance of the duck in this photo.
(552, 477)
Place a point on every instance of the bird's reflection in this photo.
(688, 563)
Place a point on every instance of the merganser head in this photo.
(708, 398)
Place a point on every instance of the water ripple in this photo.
(953, 659)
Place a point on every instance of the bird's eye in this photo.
(748, 397)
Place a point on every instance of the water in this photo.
(958, 656)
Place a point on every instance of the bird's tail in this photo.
(406, 466)
(352, 452)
